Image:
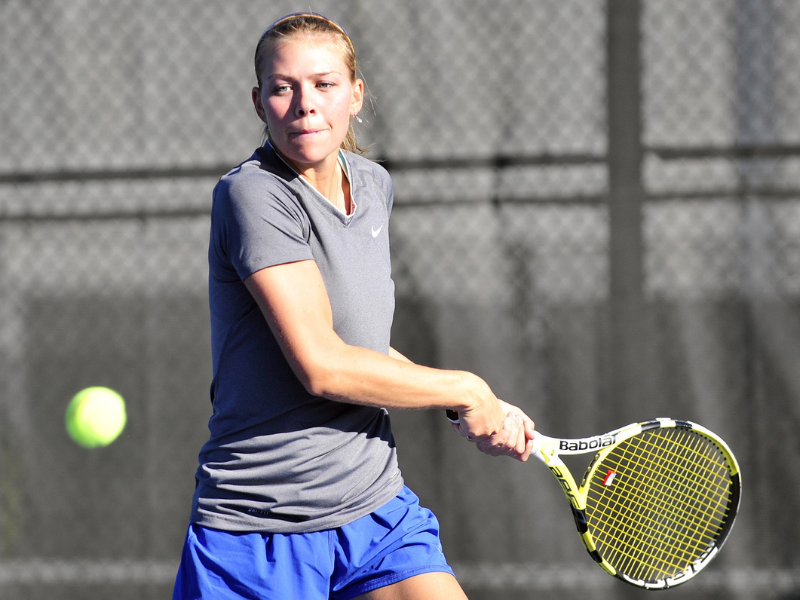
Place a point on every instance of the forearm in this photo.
(361, 376)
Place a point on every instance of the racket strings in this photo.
(663, 511)
(665, 498)
(661, 507)
(648, 500)
(664, 506)
(660, 515)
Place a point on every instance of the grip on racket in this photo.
(452, 416)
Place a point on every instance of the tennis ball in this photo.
(95, 417)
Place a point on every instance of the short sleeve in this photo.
(257, 223)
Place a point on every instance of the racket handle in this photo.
(452, 416)
(539, 440)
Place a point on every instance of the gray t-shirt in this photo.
(278, 458)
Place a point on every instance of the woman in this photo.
(298, 491)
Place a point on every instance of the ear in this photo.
(357, 101)
(259, 106)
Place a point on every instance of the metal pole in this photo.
(626, 365)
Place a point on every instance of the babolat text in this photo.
(587, 444)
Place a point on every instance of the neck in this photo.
(328, 179)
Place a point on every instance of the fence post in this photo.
(626, 363)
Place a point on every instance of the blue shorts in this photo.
(397, 541)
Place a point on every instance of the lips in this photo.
(305, 133)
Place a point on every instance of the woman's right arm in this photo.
(294, 302)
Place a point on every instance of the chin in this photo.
(310, 157)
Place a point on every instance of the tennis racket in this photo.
(657, 501)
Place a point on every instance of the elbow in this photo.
(320, 379)
(317, 384)
(321, 367)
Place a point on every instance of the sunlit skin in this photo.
(306, 99)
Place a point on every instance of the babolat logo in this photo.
(594, 443)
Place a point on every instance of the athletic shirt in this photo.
(278, 458)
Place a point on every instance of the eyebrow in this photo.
(321, 74)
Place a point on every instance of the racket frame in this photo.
(549, 450)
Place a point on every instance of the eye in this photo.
(326, 85)
(282, 88)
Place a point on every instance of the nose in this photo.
(304, 104)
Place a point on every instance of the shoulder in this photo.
(257, 173)
(256, 183)
(368, 168)
(371, 174)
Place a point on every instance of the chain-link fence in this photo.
(597, 210)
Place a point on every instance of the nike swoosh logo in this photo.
(375, 232)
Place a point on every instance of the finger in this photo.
(511, 430)
(522, 439)
(513, 440)
(528, 450)
(530, 430)
(521, 445)
(528, 423)
(524, 419)
(486, 448)
(495, 445)
(507, 436)
(524, 447)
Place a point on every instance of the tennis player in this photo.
(299, 495)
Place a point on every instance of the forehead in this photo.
(310, 51)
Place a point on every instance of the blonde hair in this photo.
(312, 24)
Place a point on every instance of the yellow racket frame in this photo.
(548, 450)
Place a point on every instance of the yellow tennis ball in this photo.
(95, 417)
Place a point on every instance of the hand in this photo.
(514, 436)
